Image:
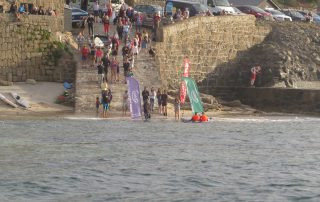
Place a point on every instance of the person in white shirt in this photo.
(96, 8)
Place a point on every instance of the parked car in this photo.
(78, 15)
(295, 16)
(148, 12)
(277, 15)
(256, 11)
(195, 8)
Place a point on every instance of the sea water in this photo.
(229, 159)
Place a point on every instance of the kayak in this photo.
(4, 99)
(22, 102)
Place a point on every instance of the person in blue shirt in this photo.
(22, 9)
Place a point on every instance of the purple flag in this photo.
(134, 97)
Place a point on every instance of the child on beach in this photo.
(97, 105)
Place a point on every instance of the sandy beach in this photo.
(42, 97)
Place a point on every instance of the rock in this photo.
(5, 83)
(31, 81)
(234, 103)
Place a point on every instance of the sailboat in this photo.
(193, 94)
(194, 97)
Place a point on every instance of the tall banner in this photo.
(134, 97)
(183, 89)
(186, 63)
(194, 95)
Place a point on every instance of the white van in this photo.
(220, 4)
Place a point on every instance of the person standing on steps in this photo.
(126, 66)
(90, 21)
(85, 54)
(80, 40)
(100, 72)
(177, 108)
(145, 94)
(96, 8)
(106, 24)
(159, 101)
(114, 67)
(153, 95)
(164, 102)
(156, 25)
(104, 84)
(106, 64)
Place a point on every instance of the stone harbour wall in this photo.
(209, 42)
(30, 50)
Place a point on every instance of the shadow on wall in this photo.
(40, 69)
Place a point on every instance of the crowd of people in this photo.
(30, 9)
(105, 59)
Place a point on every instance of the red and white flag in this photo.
(183, 88)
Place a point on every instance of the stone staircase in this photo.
(87, 89)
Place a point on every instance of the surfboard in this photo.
(98, 42)
(4, 99)
(22, 102)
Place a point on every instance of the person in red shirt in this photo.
(254, 71)
(99, 54)
(156, 25)
(85, 53)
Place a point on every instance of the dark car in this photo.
(78, 15)
(256, 11)
(295, 15)
(195, 8)
(147, 12)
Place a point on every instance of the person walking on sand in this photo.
(177, 108)
(125, 103)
